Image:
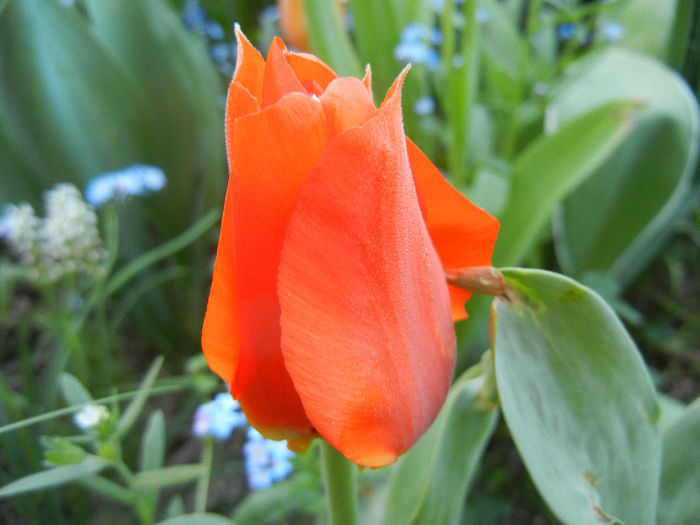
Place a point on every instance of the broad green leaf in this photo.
(167, 476)
(197, 518)
(679, 503)
(184, 91)
(74, 393)
(54, 477)
(377, 29)
(642, 186)
(429, 482)
(329, 38)
(636, 19)
(551, 168)
(68, 109)
(578, 400)
(302, 491)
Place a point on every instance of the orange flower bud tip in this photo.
(479, 279)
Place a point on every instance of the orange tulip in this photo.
(329, 313)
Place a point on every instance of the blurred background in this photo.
(574, 122)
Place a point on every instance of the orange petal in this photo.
(307, 67)
(239, 102)
(280, 79)
(463, 234)
(250, 66)
(346, 103)
(271, 154)
(366, 330)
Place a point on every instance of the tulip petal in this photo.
(366, 330)
(272, 152)
(463, 234)
(346, 103)
(307, 67)
(250, 66)
(279, 79)
(239, 102)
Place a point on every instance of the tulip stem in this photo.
(339, 476)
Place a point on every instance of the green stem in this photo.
(202, 490)
(339, 476)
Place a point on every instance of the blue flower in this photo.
(424, 106)
(138, 179)
(566, 31)
(612, 31)
(266, 461)
(218, 418)
(417, 45)
(194, 15)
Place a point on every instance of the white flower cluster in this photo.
(19, 226)
(65, 241)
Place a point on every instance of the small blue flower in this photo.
(424, 106)
(214, 30)
(194, 15)
(566, 31)
(482, 15)
(138, 179)
(612, 31)
(218, 418)
(266, 461)
(221, 52)
(417, 45)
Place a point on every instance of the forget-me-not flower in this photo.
(218, 418)
(424, 106)
(612, 31)
(417, 45)
(137, 179)
(266, 461)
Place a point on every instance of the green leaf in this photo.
(133, 410)
(68, 109)
(60, 451)
(553, 166)
(680, 476)
(329, 38)
(184, 93)
(107, 488)
(167, 476)
(302, 491)
(152, 453)
(430, 481)
(642, 187)
(197, 518)
(578, 400)
(377, 30)
(153, 442)
(54, 477)
(74, 393)
(638, 17)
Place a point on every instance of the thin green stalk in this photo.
(339, 476)
(202, 490)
